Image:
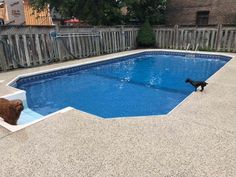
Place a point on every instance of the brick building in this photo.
(201, 12)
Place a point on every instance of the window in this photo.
(202, 17)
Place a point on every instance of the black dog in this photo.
(196, 84)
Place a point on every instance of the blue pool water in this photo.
(27, 116)
(139, 85)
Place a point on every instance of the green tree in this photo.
(152, 10)
(94, 12)
(108, 12)
(146, 37)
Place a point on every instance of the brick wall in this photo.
(184, 12)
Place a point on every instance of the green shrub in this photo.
(146, 37)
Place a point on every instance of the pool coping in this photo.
(97, 59)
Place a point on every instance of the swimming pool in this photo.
(147, 83)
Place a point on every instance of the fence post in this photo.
(3, 63)
(176, 38)
(54, 45)
(58, 44)
(219, 37)
(123, 38)
(96, 40)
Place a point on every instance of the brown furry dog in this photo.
(10, 110)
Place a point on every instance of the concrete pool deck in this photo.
(198, 138)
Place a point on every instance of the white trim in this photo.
(14, 128)
(20, 94)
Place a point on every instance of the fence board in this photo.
(3, 63)
(38, 49)
(45, 51)
(51, 48)
(19, 50)
(230, 41)
(234, 42)
(225, 39)
(26, 50)
(11, 51)
(32, 46)
(213, 36)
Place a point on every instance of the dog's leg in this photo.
(202, 88)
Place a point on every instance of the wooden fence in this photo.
(214, 38)
(27, 46)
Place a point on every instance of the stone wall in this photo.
(184, 12)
